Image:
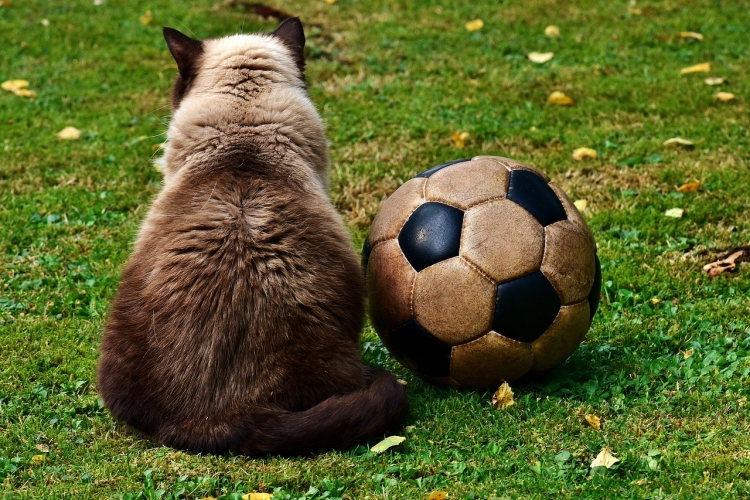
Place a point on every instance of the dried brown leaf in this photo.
(728, 263)
(689, 187)
(723, 96)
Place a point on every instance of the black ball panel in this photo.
(534, 194)
(431, 171)
(366, 251)
(596, 289)
(419, 349)
(431, 234)
(525, 307)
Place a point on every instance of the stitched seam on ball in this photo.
(484, 202)
(477, 269)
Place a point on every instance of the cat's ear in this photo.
(291, 33)
(185, 51)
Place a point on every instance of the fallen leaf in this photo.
(330, 2)
(38, 459)
(208, 498)
(146, 18)
(45, 22)
(560, 99)
(18, 87)
(540, 57)
(714, 80)
(503, 397)
(581, 205)
(438, 495)
(691, 34)
(724, 96)
(44, 448)
(656, 301)
(604, 459)
(679, 141)
(69, 133)
(402, 381)
(728, 263)
(552, 30)
(675, 213)
(98, 2)
(633, 10)
(257, 496)
(583, 153)
(459, 139)
(4, 3)
(475, 25)
(689, 187)
(594, 421)
(697, 68)
(388, 442)
(688, 353)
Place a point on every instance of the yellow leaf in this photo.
(679, 141)
(540, 57)
(691, 34)
(714, 80)
(38, 459)
(438, 495)
(459, 139)
(4, 3)
(560, 99)
(583, 153)
(388, 442)
(503, 397)
(208, 498)
(402, 381)
(13, 85)
(69, 133)
(688, 353)
(329, 2)
(656, 301)
(44, 448)
(475, 25)
(146, 18)
(257, 496)
(594, 421)
(689, 187)
(18, 87)
(552, 31)
(675, 213)
(604, 459)
(724, 96)
(697, 68)
(581, 205)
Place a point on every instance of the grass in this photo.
(666, 365)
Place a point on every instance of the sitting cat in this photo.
(236, 324)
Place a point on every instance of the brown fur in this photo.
(237, 320)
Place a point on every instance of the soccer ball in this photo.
(480, 271)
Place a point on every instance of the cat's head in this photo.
(283, 47)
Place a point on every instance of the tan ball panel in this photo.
(562, 337)
(453, 301)
(390, 278)
(569, 260)
(502, 239)
(490, 360)
(468, 183)
(570, 209)
(512, 164)
(396, 209)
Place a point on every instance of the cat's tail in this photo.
(337, 422)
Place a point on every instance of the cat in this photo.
(236, 324)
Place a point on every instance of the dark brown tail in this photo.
(337, 422)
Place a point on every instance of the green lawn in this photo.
(667, 362)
